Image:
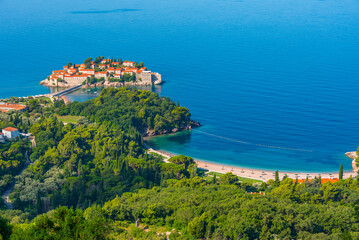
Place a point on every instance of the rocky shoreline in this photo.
(152, 133)
(353, 156)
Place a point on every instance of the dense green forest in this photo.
(94, 180)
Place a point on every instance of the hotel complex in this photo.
(107, 69)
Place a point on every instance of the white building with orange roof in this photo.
(100, 74)
(127, 72)
(131, 69)
(111, 70)
(105, 60)
(72, 70)
(118, 70)
(117, 75)
(87, 71)
(11, 133)
(128, 64)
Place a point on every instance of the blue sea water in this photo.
(274, 83)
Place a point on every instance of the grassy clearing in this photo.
(69, 119)
(248, 180)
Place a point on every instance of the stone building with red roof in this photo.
(11, 133)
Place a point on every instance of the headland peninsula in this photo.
(57, 157)
(102, 72)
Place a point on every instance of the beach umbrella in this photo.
(262, 172)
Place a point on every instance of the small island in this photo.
(102, 72)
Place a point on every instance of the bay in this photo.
(281, 76)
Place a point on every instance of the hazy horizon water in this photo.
(270, 73)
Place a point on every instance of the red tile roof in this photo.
(323, 180)
(10, 129)
(13, 106)
(59, 71)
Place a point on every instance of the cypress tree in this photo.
(214, 180)
(277, 181)
(38, 204)
(341, 171)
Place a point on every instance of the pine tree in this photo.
(341, 171)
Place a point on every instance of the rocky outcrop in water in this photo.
(353, 156)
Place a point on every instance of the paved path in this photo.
(149, 150)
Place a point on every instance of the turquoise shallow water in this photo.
(254, 73)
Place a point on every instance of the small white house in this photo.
(2, 139)
(11, 133)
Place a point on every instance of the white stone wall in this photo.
(156, 78)
(11, 135)
(145, 77)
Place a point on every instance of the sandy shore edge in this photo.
(257, 174)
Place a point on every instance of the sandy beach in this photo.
(263, 175)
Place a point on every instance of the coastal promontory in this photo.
(102, 72)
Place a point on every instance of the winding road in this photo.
(7, 192)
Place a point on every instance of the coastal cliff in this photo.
(353, 156)
(151, 132)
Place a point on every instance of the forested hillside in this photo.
(94, 180)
